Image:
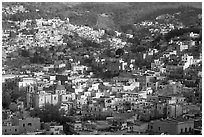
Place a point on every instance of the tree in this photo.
(18, 93)
(49, 113)
(180, 32)
(140, 49)
(108, 52)
(126, 106)
(119, 52)
(89, 43)
(25, 53)
(135, 41)
(6, 99)
(13, 107)
(17, 62)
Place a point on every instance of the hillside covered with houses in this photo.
(90, 72)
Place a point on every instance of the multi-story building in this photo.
(171, 126)
(21, 126)
(147, 81)
(74, 127)
(27, 81)
(174, 110)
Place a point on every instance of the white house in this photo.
(27, 81)
(188, 60)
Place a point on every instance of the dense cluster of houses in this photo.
(140, 102)
(142, 96)
(13, 9)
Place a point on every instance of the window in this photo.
(23, 125)
(159, 128)
(5, 130)
(181, 130)
(29, 124)
(186, 130)
(15, 130)
(55, 98)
